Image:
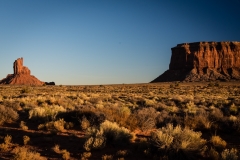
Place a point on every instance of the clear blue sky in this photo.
(78, 42)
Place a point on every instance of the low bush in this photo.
(77, 116)
(177, 138)
(7, 115)
(114, 134)
(23, 153)
(230, 154)
(54, 126)
(23, 126)
(218, 142)
(49, 112)
(65, 154)
(95, 140)
(6, 144)
(108, 133)
(213, 154)
(85, 155)
(26, 139)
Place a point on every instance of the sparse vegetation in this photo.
(147, 121)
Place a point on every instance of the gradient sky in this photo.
(78, 42)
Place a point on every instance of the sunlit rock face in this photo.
(203, 61)
(21, 75)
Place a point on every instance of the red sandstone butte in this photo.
(21, 75)
(203, 61)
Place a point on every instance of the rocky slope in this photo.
(203, 61)
(21, 75)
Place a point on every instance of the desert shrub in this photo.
(84, 123)
(26, 139)
(26, 90)
(49, 112)
(58, 125)
(116, 113)
(6, 144)
(108, 133)
(7, 115)
(144, 119)
(107, 157)
(115, 134)
(232, 118)
(23, 126)
(122, 153)
(216, 114)
(176, 138)
(236, 124)
(162, 116)
(198, 121)
(213, 154)
(230, 154)
(85, 155)
(65, 154)
(95, 140)
(93, 117)
(233, 109)
(191, 108)
(218, 142)
(23, 153)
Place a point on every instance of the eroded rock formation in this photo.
(18, 67)
(203, 61)
(21, 75)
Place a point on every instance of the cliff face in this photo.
(21, 75)
(203, 61)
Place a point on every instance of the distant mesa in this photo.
(21, 75)
(50, 83)
(203, 61)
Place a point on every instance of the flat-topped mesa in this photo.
(18, 67)
(201, 55)
(203, 61)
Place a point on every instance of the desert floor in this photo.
(125, 121)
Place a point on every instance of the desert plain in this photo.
(172, 120)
